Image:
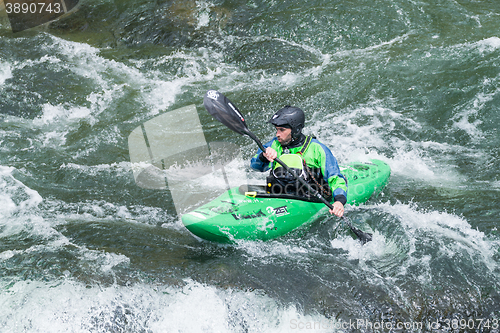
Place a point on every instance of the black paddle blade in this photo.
(222, 109)
(364, 237)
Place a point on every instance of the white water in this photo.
(69, 306)
(412, 240)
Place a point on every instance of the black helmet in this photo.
(289, 116)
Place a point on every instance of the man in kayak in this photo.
(320, 169)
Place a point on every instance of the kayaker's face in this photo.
(284, 135)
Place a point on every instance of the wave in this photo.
(142, 307)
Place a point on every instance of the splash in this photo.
(14, 195)
(69, 306)
(5, 72)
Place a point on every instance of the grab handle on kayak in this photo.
(251, 194)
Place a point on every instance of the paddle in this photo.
(222, 109)
(364, 237)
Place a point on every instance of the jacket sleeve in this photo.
(259, 162)
(331, 172)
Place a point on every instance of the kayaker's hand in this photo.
(338, 209)
(270, 154)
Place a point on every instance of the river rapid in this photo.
(414, 83)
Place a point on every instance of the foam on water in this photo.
(232, 78)
(7, 204)
(25, 215)
(418, 165)
(14, 195)
(20, 217)
(454, 233)
(5, 72)
(111, 81)
(428, 236)
(378, 247)
(363, 133)
(430, 253)
(122, 168)
(70, 306)
(488, 45)
(203, 13)
(103, 211)
(58, 115)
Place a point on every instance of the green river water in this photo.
(415, 83)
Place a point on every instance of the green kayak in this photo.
(249, 212)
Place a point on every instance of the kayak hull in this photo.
(248, 212)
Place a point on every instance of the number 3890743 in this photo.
(33, 8)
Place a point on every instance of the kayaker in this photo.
(320, 169)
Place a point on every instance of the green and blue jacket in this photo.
(317, 155)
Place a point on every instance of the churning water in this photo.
(414, 83)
